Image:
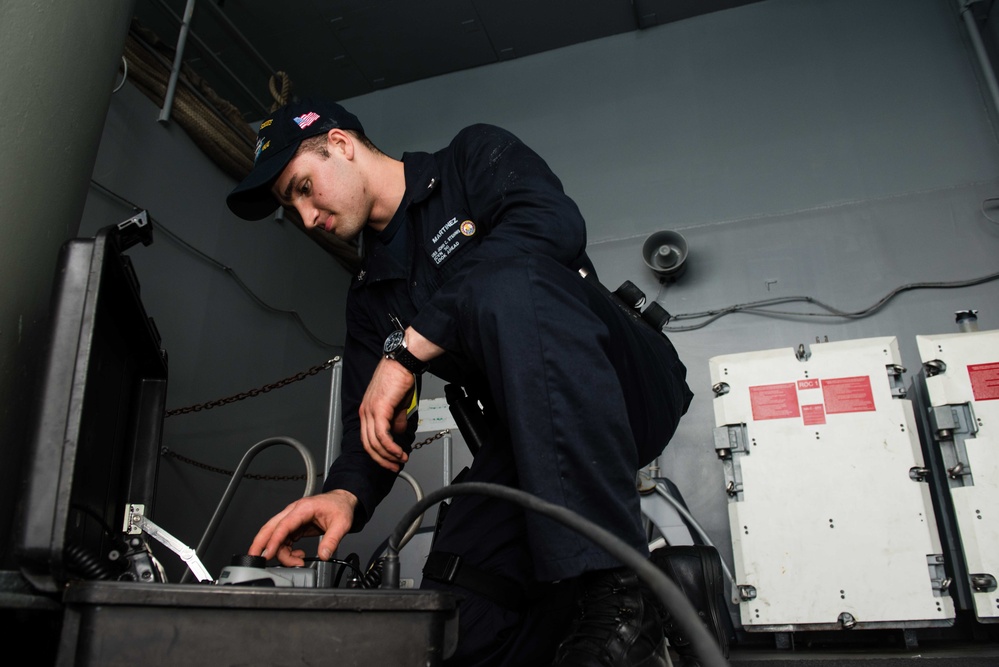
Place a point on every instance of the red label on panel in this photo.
(813, 414)
(984, 381)
(848, 395)
(808, 384)
(774, 401)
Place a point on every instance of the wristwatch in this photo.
(395, 349)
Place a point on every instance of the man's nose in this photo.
(308, 215)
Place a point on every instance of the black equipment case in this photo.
(95, 449)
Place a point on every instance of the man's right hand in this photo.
(329, 514)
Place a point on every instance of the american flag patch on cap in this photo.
(306, 120)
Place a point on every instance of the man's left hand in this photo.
(386, 403)
(383, 413)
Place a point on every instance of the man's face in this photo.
(327, 192)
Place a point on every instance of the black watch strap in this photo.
(406, 358)
(395, 349)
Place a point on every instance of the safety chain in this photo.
(253, 392)
(438, 436)
(166, 451)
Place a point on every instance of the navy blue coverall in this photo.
(482, 258)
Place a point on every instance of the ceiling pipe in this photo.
(185, 29)
(178, 59)
(208, 53)
(979, 47)
(156, 56)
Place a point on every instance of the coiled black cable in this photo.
(373, 577)
(668, 592)
(81, 561)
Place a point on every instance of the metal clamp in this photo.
(136, 522)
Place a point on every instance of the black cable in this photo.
(380, 549)
(377, 553)
(221, 267)
(81, 560)
(344, 564)
(341, 570)
(758, 307)
(355, 565)
(987, 216)
(96, 517)
(667, 591)
(116, 540)
(373, 577)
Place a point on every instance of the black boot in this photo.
(617, 624)
(696, 570)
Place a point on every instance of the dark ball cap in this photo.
(277, 141)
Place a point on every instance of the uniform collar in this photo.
(381, 263)
(422, 176)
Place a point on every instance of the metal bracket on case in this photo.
(895, 373)
(134, 514)
(731, 444)
(731, 439)
(983, 583)
(847, 621)
(137, 523)
(948, 420)
(939, 581)
(951, 425)
(934, 367)
(136, 229)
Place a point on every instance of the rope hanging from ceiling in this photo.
(283, 96)
(215, 125)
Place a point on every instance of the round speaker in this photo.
(666, 254)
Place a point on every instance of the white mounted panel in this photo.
(829, 528)
(962, 386)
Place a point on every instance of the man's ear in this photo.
(340, 141)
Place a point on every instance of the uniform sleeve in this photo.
(517, 204)
(354, 470)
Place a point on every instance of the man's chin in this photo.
(346, 236)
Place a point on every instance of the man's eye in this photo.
(306, 187)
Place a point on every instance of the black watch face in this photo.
(394, 341)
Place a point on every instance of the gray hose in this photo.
(418, 490)
(237, 477)
(664, 492)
